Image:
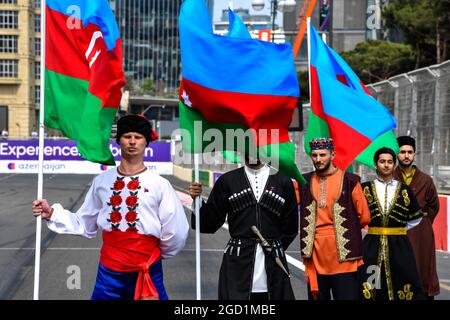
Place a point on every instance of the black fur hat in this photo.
(407, 140)
(135, 123)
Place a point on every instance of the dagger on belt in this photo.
(268, 249)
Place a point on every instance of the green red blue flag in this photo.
(343, 109)
(235, 81)
(83, 74)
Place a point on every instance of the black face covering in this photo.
(134, 123)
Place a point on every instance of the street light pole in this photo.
(276, 5)
(274, 16)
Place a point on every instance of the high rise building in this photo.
(150, 38)
(149, 33)
(19, 66)
(257, 24)
(346, 23)
(210, 4)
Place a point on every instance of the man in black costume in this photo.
(253, 195)
(389, 271)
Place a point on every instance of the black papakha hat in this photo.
(407, 140)
(135, 123)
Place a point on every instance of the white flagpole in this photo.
(197, 231)
(37, 257)
(324, 37)
(308, 37)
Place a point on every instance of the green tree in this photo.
(147, 86)
(442, 12)
(129, 84)
(425, 25)
(376, 60)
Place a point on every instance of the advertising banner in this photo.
(61, 156)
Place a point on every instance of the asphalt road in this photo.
(69, 263)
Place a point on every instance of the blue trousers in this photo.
(112, 285)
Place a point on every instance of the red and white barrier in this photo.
(441, 225)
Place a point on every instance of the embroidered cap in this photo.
(322, 143)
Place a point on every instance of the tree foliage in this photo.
(147, 86)
(425, 25)
(376, 60)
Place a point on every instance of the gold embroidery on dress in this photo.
(322, 199)
(399, 213)
(367, 291)
(387, 268)
(368, 195)
(310, 229)
(406, 293)
(416, 214)
(383, 253)
(377, 200)
(341, 241)
(400, 206)
(396, 219)
(406, 197)
(375, 216)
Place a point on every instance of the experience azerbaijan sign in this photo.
(61, 156)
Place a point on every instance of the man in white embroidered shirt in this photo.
(254, 195)
(386, 248)
(140, 215)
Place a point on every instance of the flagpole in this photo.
(197, 230)
(37, 252)
(324, 37)
(308, 38)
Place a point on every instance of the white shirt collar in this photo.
(256, 171)
(389, 183)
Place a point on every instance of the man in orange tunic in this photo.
(333, 209)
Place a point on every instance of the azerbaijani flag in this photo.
(236, 82)
(343, 109)
(83, 74)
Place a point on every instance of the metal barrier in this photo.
(420, 101)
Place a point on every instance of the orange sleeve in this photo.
(297, 193)
(361, 206)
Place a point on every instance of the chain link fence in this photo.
(420, 101)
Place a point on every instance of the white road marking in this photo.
(9, 176)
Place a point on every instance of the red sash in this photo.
(132, 252)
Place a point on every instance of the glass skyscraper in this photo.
(151, 48)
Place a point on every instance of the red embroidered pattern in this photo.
(115, 201)
(133, 185)
(132, 203)
(115, 216)
(119, 185)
